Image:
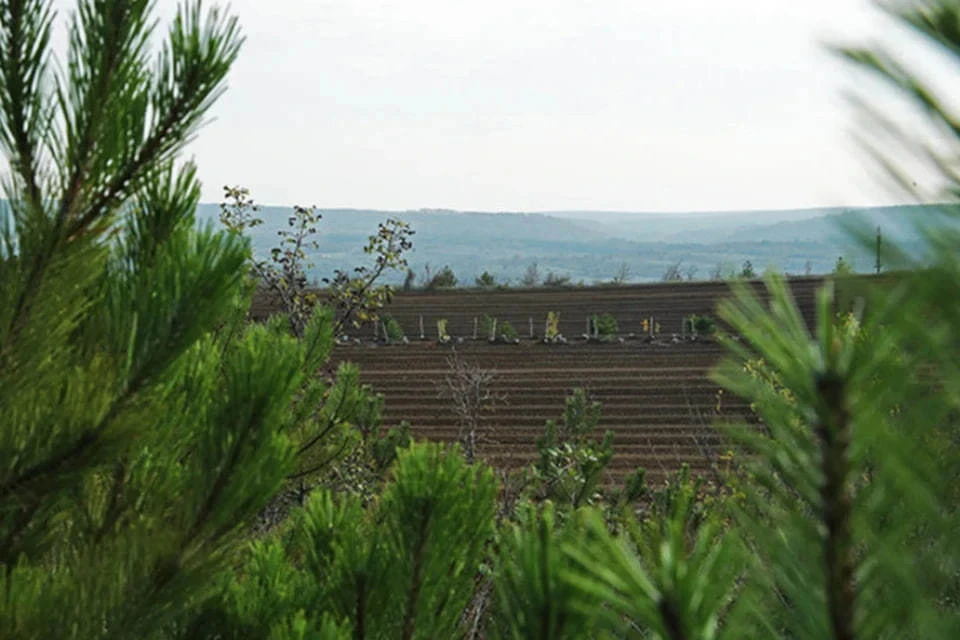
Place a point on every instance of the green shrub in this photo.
(605, 326)
(571, 463)
(486, 280)
(506, 331)
(392, 327)
(443, 279)
(485, 327)
(401, 566)
(702, 325)
(843, 267)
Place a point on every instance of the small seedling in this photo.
(551, 332)
(442, 336)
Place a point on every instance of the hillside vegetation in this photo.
(505, 244)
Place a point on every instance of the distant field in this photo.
(656, 396)
(668, 303)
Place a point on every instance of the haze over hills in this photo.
(592, 246)
(670, 227)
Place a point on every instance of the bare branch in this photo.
(469, 387)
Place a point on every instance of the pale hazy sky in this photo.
(523, 105)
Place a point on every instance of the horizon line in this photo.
(547, 212)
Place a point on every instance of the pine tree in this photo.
(402, 567)
(142, 420)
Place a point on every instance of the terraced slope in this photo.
(656, 396)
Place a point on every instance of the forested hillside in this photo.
(505, 244)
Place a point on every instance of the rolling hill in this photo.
(592, 246)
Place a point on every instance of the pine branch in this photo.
(104, 48)
(321, 434)
(108, 41)
(672, 620)
(92, 469)
(196, 62)
(360, 631)
(839, 564)
(150, 153)
(9, 554)
(115, 501)
(220, 484)
(75, 453)
(321, 465)
(413, 595)
(24, 38)
(25, 27)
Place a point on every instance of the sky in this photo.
(533, 105)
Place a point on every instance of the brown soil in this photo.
(657, 398)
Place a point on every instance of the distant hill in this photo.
(803, 225)
(591, 246)
(896, 223)
(685, 227)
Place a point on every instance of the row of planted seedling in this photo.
(599, 328)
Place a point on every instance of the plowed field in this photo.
(656, 396)
(667, 303)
